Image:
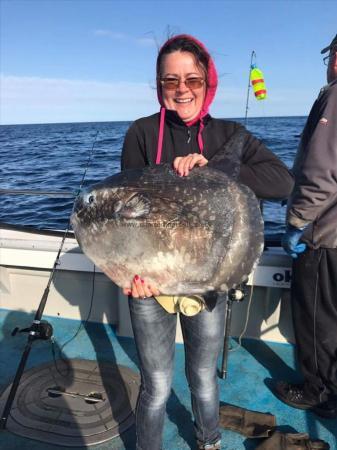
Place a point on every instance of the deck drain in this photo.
(76, 403)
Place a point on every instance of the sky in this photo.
(94, 60)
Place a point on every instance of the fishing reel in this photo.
(238, 293)
(38, 330)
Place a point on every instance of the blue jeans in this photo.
(155, 331)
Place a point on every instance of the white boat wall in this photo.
(27, 258)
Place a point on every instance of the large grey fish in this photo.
(186, 235)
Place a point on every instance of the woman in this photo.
(185, 135)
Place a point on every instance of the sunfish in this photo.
(185, 235)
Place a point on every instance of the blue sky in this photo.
(94, 60)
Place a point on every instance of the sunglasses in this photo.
(172, 84)
(326, 59)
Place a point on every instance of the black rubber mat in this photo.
(74, 402)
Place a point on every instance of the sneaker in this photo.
(326, 409)
(294, 395)
(215, 446)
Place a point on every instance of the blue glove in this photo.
(290, 241)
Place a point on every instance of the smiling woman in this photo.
(186, 83)
(183, 87)
(188, 138)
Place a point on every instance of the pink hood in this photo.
(212, 82)
(212, 79)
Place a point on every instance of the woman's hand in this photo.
(183, 164)
(140, 289)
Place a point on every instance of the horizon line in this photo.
(132, 120)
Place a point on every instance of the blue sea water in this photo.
(54, 157)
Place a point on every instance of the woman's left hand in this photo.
(183, 164)
(141, 289)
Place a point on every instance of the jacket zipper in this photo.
(188, 135)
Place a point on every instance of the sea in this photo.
(52, 157)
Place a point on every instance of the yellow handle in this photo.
(189, 306)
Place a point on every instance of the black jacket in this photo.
(260, 170)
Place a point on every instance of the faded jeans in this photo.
(155, 331)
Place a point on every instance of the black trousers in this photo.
(314, 307)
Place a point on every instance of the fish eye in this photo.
(89, 198)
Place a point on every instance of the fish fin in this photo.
(228, 158)
(139, 205)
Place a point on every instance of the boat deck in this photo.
(249, 369)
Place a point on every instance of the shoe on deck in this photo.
(327, 409)
(216, 446)
(294, 395)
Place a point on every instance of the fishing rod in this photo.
(253, 55)
(58, 194)
(238, 294)
(234, 295)
(39, 329)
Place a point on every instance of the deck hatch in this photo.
(74, 403)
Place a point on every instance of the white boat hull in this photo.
(26, 261)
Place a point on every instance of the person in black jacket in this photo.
(312, 219)
(185, 135)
